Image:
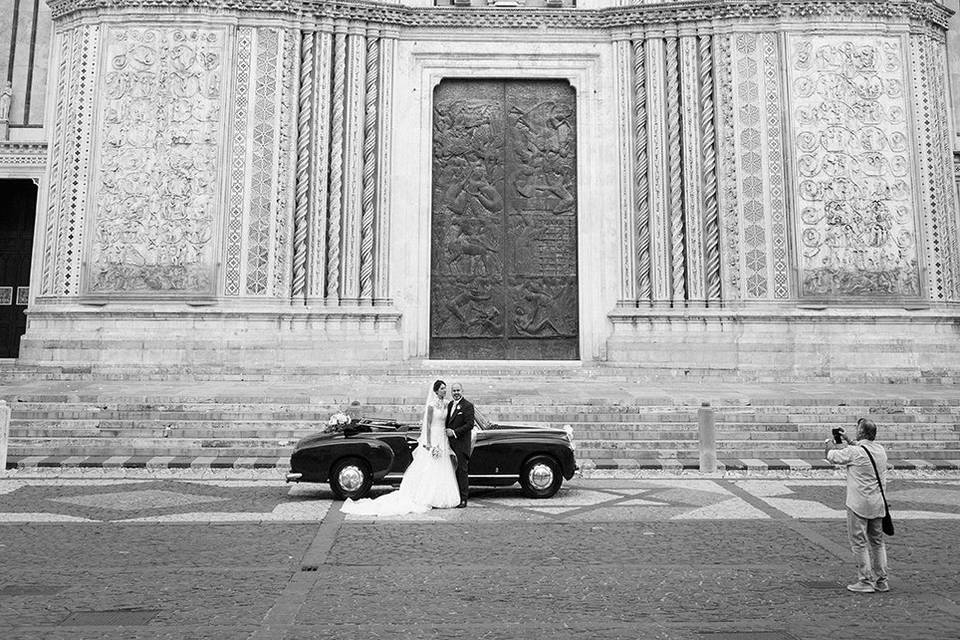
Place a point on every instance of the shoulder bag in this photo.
(887, 519)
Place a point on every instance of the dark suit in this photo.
(461, 421)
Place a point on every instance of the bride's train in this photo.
(430, 481)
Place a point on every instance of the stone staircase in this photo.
(62, 422)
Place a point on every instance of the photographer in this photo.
(865, 504)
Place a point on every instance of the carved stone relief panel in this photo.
(856, 229)
(504, 251)
(159, 130)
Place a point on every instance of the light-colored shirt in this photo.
(863, 492)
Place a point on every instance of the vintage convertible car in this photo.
(366, 451)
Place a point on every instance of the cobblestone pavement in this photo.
(656, 557)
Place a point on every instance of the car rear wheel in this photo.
(540, 477)
(350, 478)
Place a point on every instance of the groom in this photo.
(459, 427)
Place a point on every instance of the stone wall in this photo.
(242, 182)
(25, 31)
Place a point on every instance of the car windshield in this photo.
(480, 420)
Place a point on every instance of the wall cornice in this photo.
(923, 11)
(23, 154)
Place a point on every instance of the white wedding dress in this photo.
(428, 483)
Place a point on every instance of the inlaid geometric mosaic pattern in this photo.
(239, 155)
(262, 166)
(137, 500)
(79, 52)
(751, 161)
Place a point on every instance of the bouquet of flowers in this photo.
(432, 450)
(337, 421)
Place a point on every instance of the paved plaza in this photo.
(149, 554)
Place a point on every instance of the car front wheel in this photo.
(350, 478)
(540, 477)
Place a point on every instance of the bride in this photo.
(429, 481)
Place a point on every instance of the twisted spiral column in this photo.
(381, 225)
(675, 173)
(367, 204)
(335, 206)
(708, 152)
(640, 168)
(302, 199)
(352, 163)
(319, 162)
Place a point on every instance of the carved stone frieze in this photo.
(856, 224)
(157, 183)
(23, 154)
(926, 11)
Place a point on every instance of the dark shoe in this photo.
(882, 585)
(861, 586)
(462, 505)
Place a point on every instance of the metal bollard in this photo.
(708, 439)
(4, 433)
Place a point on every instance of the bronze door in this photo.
(16, 244)
(503, 281)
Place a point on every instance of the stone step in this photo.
(895, 445)
(290, 430)
(161, 432)
(784, 453)
(216, 412)
(150, 446)
(71, 445)
(279, 465)
(564, 398)
(266, 450)
(467, 372)
(643, 429)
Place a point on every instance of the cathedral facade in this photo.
(764, 188)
